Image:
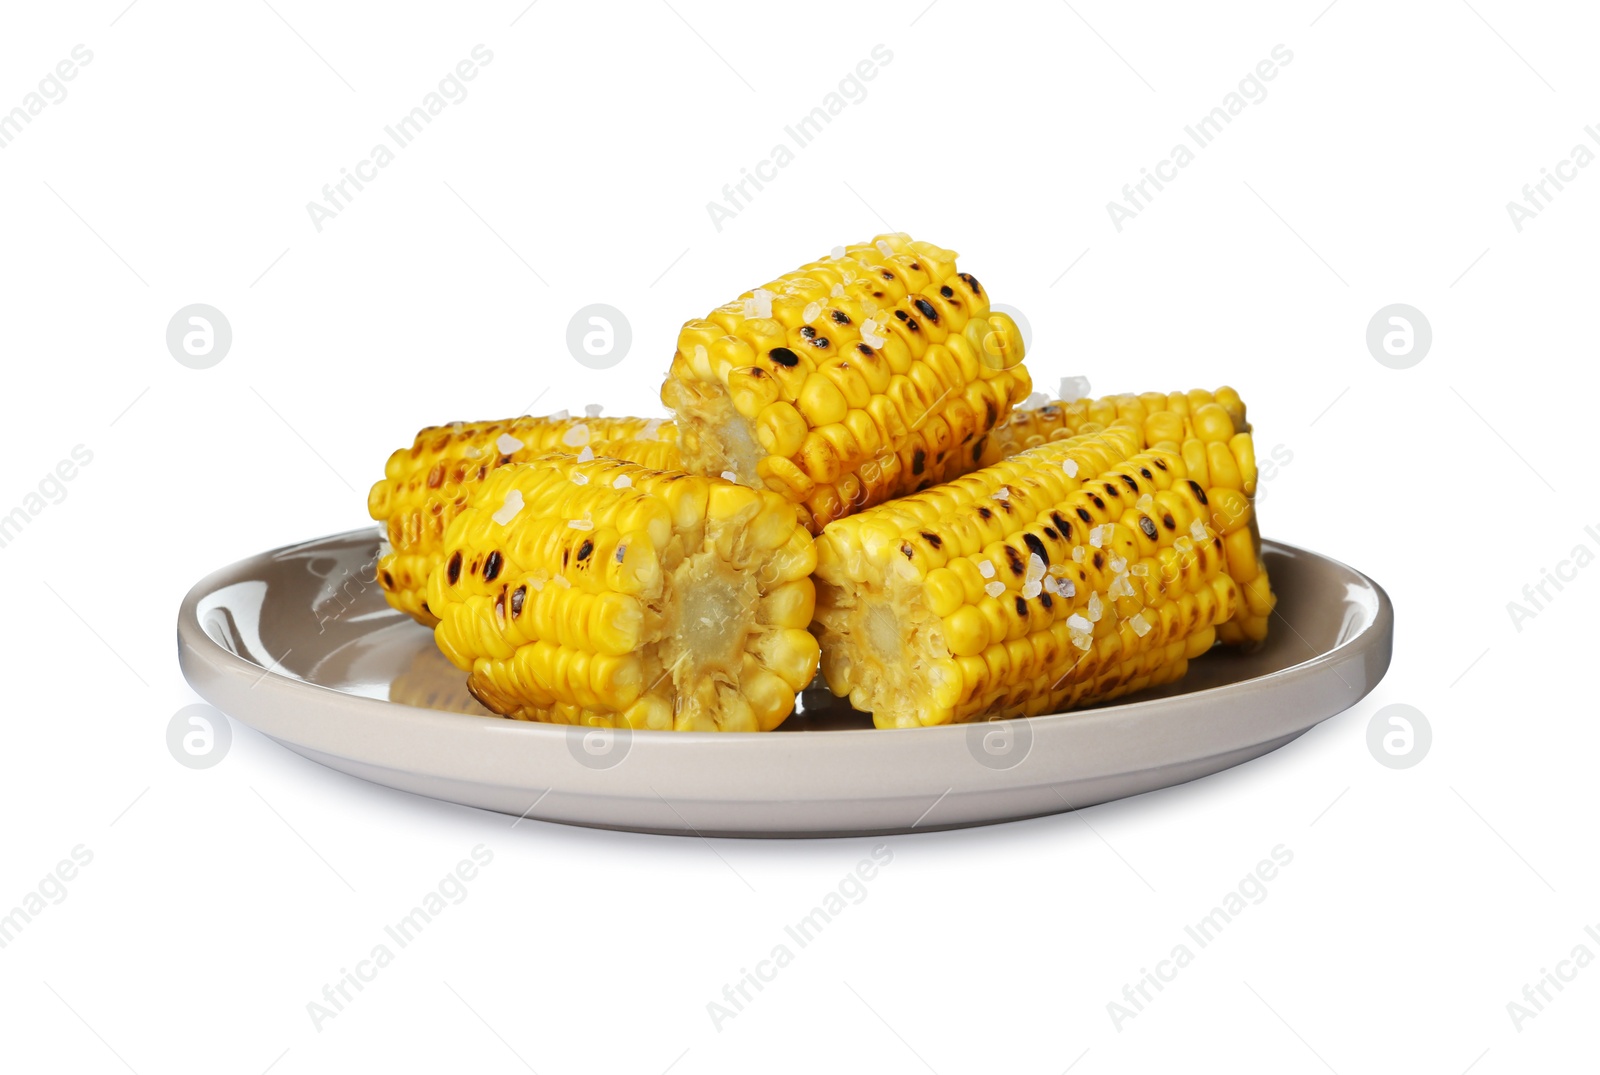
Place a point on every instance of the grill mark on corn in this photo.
(971, 281)
(1198, 492)
(585, 550)
(808, 332)
(933, 539)
(1022, 608)
(840, 317)
(919, 460)
(1147, 527)
(453, 569)
(1014, 560)
(1036, 547)
(518, 597)
(1083, 513)
(947, 291)
(906, 550)
(491, 566)
(927, 310)
(784, 357)
(1168, 521)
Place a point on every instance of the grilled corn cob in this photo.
(427, 484)
(1210, 432)
(1077, 571)
(602, 593)
(869, 374)
(1163, 417)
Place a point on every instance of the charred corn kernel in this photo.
(539, 602)
(819, 458)
(427, 485)
(752, 390)
(917, 630)
(879, 355)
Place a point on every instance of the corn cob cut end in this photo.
(606, 594)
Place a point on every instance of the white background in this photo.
(1377, 170)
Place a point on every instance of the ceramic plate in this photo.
(299, 644)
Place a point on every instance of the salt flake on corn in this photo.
(995, 589)
(759, 304)
(509, 509)
(986, 568)
(507, 444)
(576, 436)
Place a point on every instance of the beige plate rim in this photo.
(254, 642)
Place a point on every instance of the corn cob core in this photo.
(1209, 430)
(1075, 572)
(863, 376)
(602, 593)
(426, 485)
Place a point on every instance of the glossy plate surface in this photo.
(299, 644)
